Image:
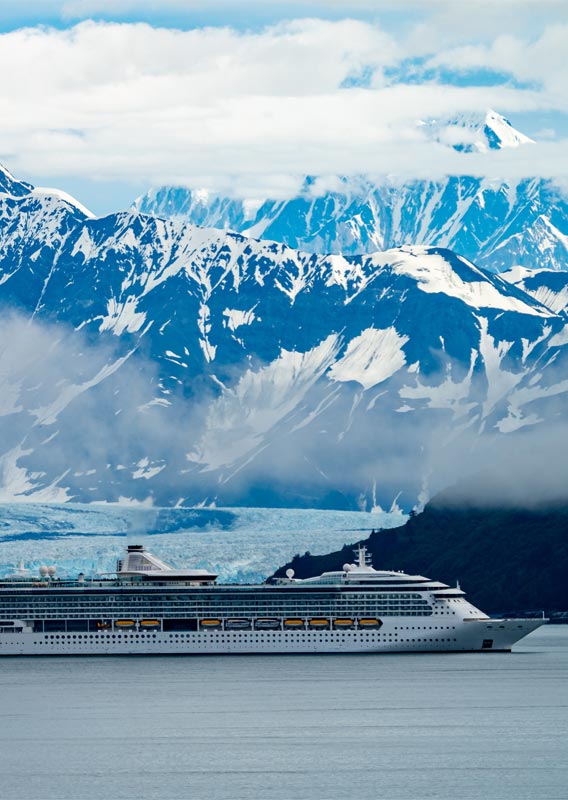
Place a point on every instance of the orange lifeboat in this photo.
(342, 622)
(369, 622)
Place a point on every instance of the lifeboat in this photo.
(210, 623)
(238, 624)
(369, 622)
(267, 624)
(342, 622)
(150, 623)
(124, 623)
(319, 622)
(293, 623)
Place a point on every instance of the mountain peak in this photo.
(500, 133)
(11, 185)
(475, 132)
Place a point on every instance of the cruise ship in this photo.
(149, 607)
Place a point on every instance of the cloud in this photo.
(247, 110)
(541, 61)
(527, 470)
(79, 417)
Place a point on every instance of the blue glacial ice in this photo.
(239, 544)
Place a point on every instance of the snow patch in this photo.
(47, 415)
(16, 483)
(204, 326)
(145, 470)
(122, 317)
(499, 381)
(448, 394)
(236, 317)
(371, 358)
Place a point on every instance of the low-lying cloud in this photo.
(243, 111)
(526, 470)
(79, 416)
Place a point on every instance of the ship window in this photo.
(54, 625)
(77, 625)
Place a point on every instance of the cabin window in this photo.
(54, 624)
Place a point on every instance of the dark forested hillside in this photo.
(507, 560)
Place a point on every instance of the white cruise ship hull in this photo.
(397, 635)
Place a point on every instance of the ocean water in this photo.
(400, 727)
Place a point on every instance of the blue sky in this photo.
(239, 14)
(109, 97)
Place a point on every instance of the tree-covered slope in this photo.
(507, 560)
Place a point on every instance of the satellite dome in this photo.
(51, 571)
(347, 568)
(290, 573)
(43, 571)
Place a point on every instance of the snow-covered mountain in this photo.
(474, 132)
(155, 360)
(495, 223)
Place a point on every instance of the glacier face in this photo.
(238, 544)
(498, 224)
(157, 361)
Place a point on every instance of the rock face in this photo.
(156, 360)
(495, 223)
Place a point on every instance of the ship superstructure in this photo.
(149, 607)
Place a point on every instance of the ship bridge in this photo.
(361, 572)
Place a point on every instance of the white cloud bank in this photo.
(248, 110)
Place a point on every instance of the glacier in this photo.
(238, 544)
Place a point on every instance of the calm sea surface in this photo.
(485, 726)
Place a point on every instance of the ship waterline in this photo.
(148, 607)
